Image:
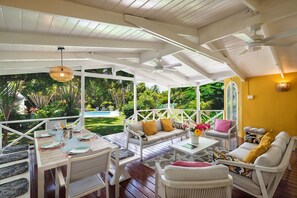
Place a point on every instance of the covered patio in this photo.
(249, 45)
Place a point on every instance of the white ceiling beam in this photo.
(122, 55)
(172, 38)
(152, 54)
(230, 64)
(95, 75)
(215, 76)
(192, 65)
(252, 4)
(38, 39)
(23, 71)
(71, 9)
(273, 52)
(246, 18)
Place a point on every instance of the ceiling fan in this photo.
(160, 67)
(257, 42)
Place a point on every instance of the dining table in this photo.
(51, 158)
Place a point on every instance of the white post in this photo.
(82, 97)
(168, 100)
(135, 100)
(198, 119)
(0, 137)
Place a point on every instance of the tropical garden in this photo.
(45, 98)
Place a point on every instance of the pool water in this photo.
(101, 113)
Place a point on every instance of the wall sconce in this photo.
(282, 86)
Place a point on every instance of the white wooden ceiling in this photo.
(129, 34)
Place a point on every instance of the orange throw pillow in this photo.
(149, 127)
(254, 153)
(167, 125)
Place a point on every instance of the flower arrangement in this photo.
(197, 128)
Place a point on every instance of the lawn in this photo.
(105, 125)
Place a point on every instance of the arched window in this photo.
(232, 101)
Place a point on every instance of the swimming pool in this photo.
(90, 114)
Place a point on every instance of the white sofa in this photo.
(268, 168)
(135, 131)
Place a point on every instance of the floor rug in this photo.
(167, 158)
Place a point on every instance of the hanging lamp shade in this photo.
(61, 73)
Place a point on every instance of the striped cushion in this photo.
(14, 188)
(16, 169)
(13, 157)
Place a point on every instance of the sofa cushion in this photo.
(246, 183)
(253, 137)
(167, 125)
(283, 135)
(255, 152)
(281, 143)
(177, 173)
(248, 146)
(222, 125)
(239, 153)
(178, 132)
(136, 126)
(149, 127)
(159, 125)
(271, 158)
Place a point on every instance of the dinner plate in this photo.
(78, 150)
(47, 134)
(86, 137)
(50, 145)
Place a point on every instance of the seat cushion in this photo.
(271, 158)
(217, 134)
(177, 173)
(178, 132)
(248, 146)
(14, 188)
(12, 170)
(245, 183)
(239, 153)
(17, 148)
(13, 157)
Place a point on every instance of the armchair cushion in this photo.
(177, 173)
(222, 125)
(149, 127)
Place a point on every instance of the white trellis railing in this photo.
(41, 122)
(180, 115)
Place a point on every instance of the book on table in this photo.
(189, 146)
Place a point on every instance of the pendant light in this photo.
(61, 73)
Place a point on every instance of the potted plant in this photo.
(195, 130)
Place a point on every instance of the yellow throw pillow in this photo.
(268, 138)
(254, 153)
(167, 125)
(149, 127)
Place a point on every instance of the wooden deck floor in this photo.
(142, 183)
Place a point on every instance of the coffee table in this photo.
(204, 143)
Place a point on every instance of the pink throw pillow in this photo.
(191, 164)
(222, 125)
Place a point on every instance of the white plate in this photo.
(86, 137)
(50, 145)
(78, 150)
(48, 134)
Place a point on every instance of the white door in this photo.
(232, 102)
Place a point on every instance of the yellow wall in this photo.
(269, 109)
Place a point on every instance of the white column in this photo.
(198, 103)
(0, 137)
(168, 100)
(82, 97)
(135, 100)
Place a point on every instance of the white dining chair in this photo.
(84, 174)
(51, 124)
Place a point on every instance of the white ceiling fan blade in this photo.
(244, 37)
(281, 44)
(170, 69)
(284, 34)
(172, 65)
(243, 52)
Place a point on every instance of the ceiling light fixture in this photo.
(61, 73)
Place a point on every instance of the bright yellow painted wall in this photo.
(269, 109)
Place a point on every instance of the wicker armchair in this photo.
(179, 182)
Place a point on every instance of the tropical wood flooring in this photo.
(142, 183)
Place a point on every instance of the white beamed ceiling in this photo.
(175, 29)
